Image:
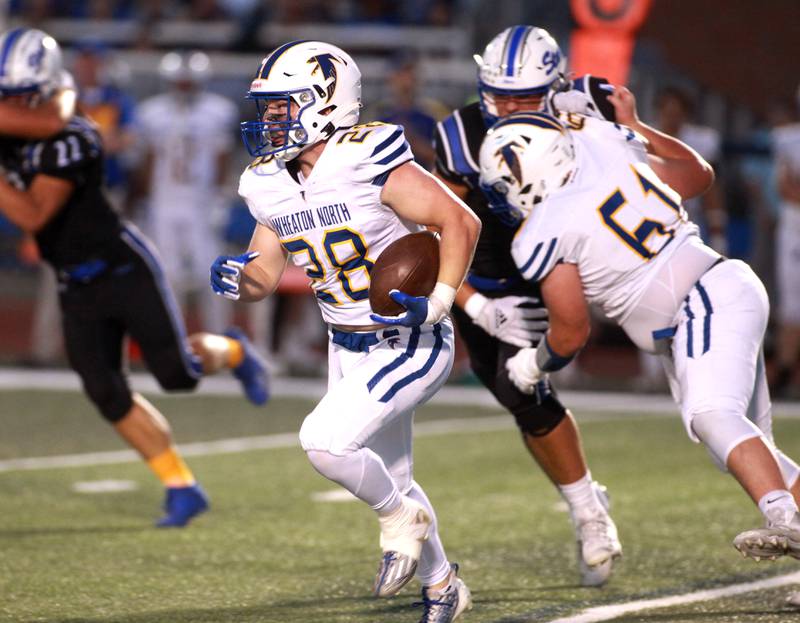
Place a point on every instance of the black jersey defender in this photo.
(110, 279)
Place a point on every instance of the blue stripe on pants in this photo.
(437, 347)
(707, 320)
(689, 332)
(413, 341)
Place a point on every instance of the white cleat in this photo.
(598, 544)
(779, 537)
(402, 537)
(446, 606)
(597, 575)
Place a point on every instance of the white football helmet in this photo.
(320, 80)
(524, 157)
(30, 63)
(520, 61)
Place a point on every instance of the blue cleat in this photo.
(252, 372)
(182, 504)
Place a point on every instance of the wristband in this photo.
(445, 293)
(549, 361)
(475, 304)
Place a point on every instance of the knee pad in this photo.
(111, 395)
(721, 431)
(541, 413)
(362, 473)
(327, 464)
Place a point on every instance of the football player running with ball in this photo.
(331, 195)
(110, 279)
(498, 311)
(604, 224)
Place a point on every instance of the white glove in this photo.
(575, 102)
(505, 319)
(523, 371)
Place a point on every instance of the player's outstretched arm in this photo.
(32, 209)
(253, 275)
(42, 121)
(562, 291)
(674, 161)
(417, 196)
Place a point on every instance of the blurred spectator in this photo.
(38, 10)
(187, 134)
(418, 116)
(47, 341)
(377, 11)
(674, 110)
(301, 11)
(102, 99)
(205, 10)
(786, 144)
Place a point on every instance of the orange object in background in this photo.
(602, 45)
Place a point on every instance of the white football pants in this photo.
(368, 412)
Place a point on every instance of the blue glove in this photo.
(416, 310)
(420, 309)
(226, 271)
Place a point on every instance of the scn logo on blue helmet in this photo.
(521, 61)
(30, 63)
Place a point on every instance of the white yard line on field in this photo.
(613, 405)
(313, 389)
(244, 444)
(612, 611)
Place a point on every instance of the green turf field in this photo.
(268, 552)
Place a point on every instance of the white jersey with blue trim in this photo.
(332, 222)
(616, 220)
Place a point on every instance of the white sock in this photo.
(581, 497)
(433, 564)
(778, 499)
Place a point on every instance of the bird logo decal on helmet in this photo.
(325, 63)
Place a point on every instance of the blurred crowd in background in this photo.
(165, 80)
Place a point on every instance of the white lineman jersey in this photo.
(616, 220)
(643, 263)
(186, 138)
(333, 223)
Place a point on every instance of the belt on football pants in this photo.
(667, 332)
(360, 342)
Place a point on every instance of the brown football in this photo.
(410, 264)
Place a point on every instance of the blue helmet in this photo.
(520, 61)
(30, 63)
